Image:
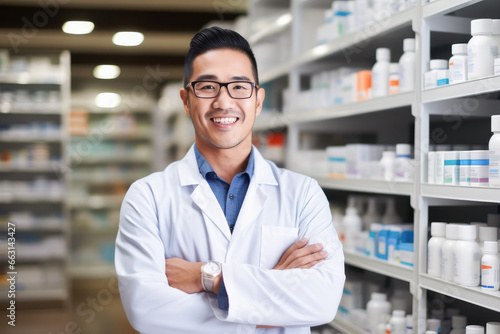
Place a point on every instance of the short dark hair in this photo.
(217, 38)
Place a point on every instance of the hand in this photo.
(301, 256)
(184, 275)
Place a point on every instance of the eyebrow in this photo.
(213, 77)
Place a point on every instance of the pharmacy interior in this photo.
(389, 104)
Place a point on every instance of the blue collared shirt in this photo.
(230, 198)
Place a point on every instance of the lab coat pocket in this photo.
(275, 241)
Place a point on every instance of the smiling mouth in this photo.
(224, 120)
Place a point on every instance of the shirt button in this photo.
(231, 196)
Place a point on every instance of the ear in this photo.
(185, 100)
(261, 94)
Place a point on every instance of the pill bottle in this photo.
(377, 309)
(494, 155)
(479, 168)
(464, 168)
(409, 324)
(352, 227)
(493, 328)
(447, 253)
(467, 256)
(458, 323)
(451, 167)
(398, 322)
(431, 77)
(490, 266)
(474, 329)
(380, 73)
(487, 233)
(407, 66)
(434, 325)
(495, 31)
(434, 248)
(404, 166)
(482, 50)
(387, 165)
(393, 78)
(458, 63)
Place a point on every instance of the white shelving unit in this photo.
(33, 104)
(446, 21)
(121, 142)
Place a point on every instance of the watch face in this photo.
(211, 268)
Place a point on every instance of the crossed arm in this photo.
(186, 276)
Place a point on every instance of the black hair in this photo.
(217, 38)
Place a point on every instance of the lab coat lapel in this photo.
(202, 195)
(256, 196)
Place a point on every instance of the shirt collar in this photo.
(205, 168)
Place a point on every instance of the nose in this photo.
(223, 100)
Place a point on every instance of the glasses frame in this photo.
(221, 84)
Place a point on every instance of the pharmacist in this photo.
(223, 241)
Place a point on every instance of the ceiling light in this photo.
(284, 19)
(108, 100)
(128, 38)
(106, 71)
(78, 27)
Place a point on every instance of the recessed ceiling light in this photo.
(108, 100)
(128, 38)
(78, 27)
(106, 71)
(284, 19)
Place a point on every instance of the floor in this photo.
(95, 309)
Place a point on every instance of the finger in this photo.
(306, 260)
(310, 264)
(297, 245)
(304, 251)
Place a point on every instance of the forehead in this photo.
(222, 64)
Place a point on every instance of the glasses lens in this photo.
(206, 89)
(237, 90)
(240, 90)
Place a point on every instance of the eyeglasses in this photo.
(211, 89)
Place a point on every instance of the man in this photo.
(223, 241)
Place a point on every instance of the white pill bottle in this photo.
(494, 155)
(482, 50)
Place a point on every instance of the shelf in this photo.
(357, 37)
(31, 140)
(442, 7)
(96, 202)
(29, 169)
(26, 78)
(276, 72)
(92, 271)
(269, 120)
(375, 265)
(469, 88)
(119, 136)
(94, 232)
(38, 295)
(462, 193)
(473, 295)
(96, 181)
(368, 186)
(282, 23)
(114, 160)
(353, 108)
(345, 327)
(43, 111)
(41, 200)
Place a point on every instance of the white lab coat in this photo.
(174, 213)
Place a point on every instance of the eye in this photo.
(206, 87)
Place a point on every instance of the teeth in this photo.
(224, 120)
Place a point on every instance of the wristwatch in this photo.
(209, 271)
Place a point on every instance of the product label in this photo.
(489, 277)
(458, 70)
(442, 82)
(479, 171)
(494, 164)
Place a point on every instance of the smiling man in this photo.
(224, 241)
